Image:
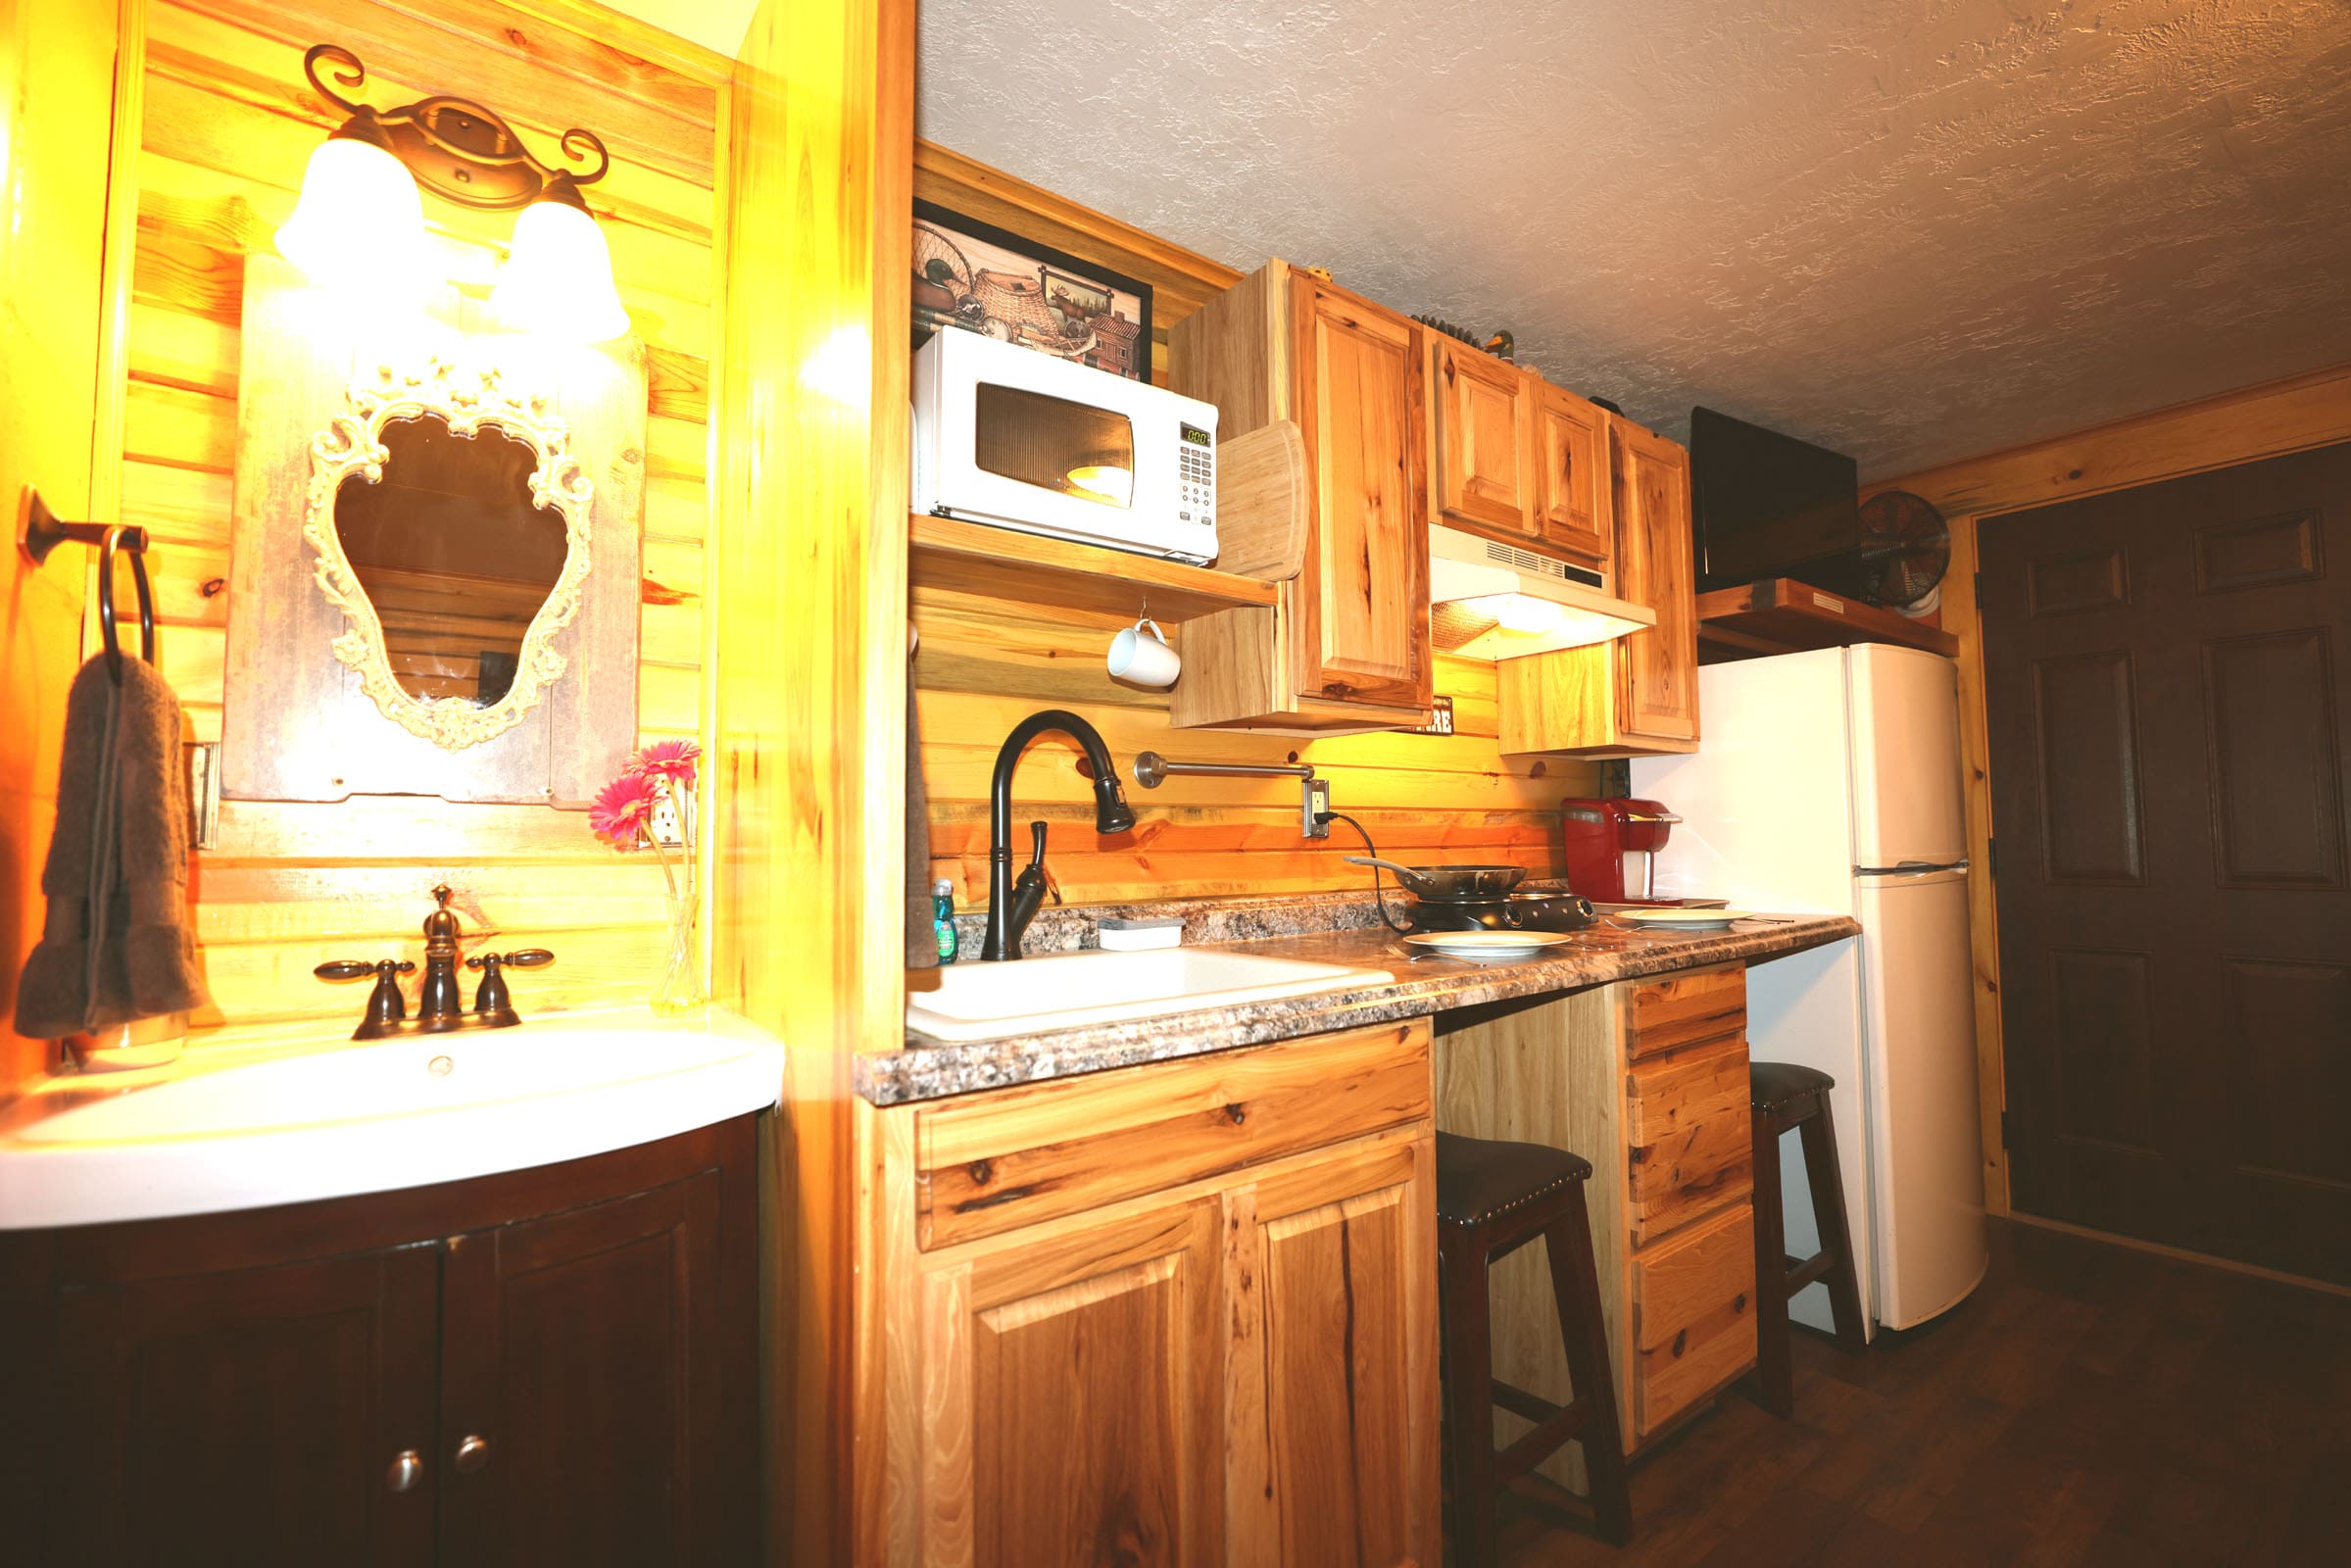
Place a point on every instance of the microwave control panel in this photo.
(1197, 468)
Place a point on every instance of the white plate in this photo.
(1488, 946)
(1685, 919)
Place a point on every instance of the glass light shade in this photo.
(558, 276)
(359, 223)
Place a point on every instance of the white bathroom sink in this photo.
(1068, 990)
(297, 1124)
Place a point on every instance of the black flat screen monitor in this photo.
(1767, 504)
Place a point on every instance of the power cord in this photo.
(1378, 897)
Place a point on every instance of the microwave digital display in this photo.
(1072, 449)
(1195, 436)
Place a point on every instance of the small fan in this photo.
(1905, 549)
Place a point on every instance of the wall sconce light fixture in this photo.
(360, 218)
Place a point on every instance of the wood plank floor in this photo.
(2090, 1404)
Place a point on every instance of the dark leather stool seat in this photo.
(1771, 1085)
(1479, 1179)
(1493, 1197)
(1783, 1096)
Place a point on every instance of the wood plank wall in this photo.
(229, 125)
(984, 663)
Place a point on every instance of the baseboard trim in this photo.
(2178, 1254)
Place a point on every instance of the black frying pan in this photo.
(1450, 884)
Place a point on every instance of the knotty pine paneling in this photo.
(229, 128)
(983, 665)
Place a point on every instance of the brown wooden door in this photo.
(1361, 603)
(1334, 1331)
(1073, 1395)
(584, 1353)
(248, 1416)
(2168, 674)
(1479, 409)
(1658, 668)
(1570, 453)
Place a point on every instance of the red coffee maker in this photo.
(1609, 847)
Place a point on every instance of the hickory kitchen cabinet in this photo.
(1345, 646)
(1637, 695)
(1647, 1079)
(1182, 1312)
(1515, 459)
(549, 1365)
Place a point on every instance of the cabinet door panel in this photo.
(1657, 669)
(249, 1417)
(1688, 1135)
(1074, 1397)
(1362, 599)
(584, 1349)
(1571, 490)
(1336, 1307)
(1479, 409)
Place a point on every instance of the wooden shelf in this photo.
(1031, 569)
(1782, 616)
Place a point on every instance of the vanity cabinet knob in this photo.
(472, 1452)
(406, 1470)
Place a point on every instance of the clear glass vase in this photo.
(679, 986)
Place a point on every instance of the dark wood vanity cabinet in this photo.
(555, 1365)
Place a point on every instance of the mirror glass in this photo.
(453, 554)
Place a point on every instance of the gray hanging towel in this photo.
(116, 945)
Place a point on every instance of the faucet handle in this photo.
(360, 968)
(522, 959)
(1037, 841)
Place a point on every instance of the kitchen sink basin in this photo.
(232, 1127)
(980, 1001)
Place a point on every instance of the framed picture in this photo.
(980, 278)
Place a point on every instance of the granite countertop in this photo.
(1320, 930)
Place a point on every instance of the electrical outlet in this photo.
(1315, 805)
(668, 828)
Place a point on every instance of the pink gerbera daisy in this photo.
(622, 809)
(672, 762)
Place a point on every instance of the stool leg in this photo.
(1818, 1132)
(1469, 1401)
(1775, 1377)
(1576, 1287)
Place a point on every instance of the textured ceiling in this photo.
(1912, 231)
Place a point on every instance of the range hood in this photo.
(1496, 601)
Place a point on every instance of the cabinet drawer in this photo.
(1688, 1135)
(1693, 1316)
(1668, 1011)
(993, 1162)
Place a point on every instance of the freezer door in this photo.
(1904, 729)
(1925, 1150)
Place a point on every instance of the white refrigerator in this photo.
(1830, 781)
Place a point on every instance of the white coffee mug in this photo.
(1144, 661)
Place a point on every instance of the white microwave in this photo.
(1020, 439)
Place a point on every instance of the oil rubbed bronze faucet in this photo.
(439, 1006)
(1011, 907)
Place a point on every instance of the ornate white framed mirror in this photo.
(451, 526)
(436, 553)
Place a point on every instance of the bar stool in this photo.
(1492, 1198)
(1784, 1095)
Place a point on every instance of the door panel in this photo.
(1075, 1412)
(602, 1320)
(250, 1416)
(1362, 622)
(1657, 672)
(1480, 410)
(1907, 803)
(1571, 475)
(2167, 672)
(1345, 1320)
